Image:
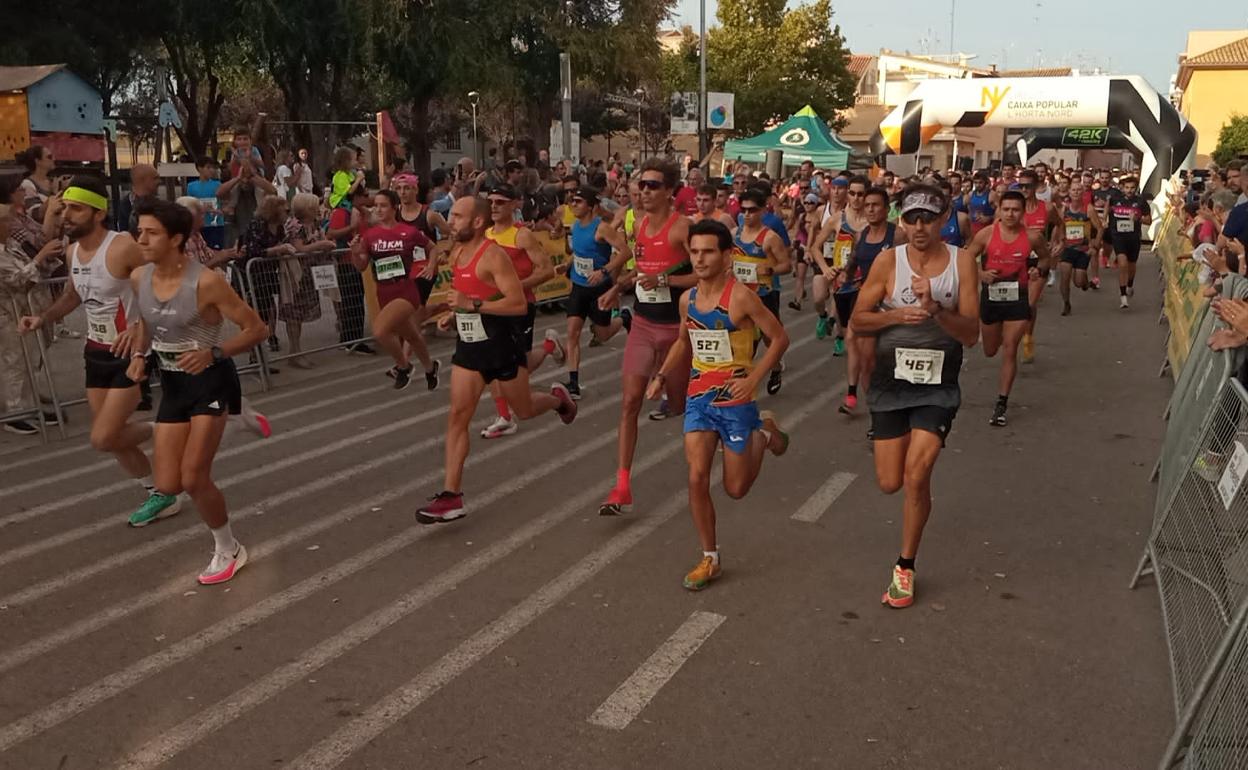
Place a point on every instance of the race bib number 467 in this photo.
(919, 366)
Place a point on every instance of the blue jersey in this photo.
(980, 209)
(951, 233)
(588, 253)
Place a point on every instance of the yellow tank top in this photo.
(630, 223)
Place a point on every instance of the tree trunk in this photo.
(417, 137)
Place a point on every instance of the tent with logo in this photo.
(804, 136)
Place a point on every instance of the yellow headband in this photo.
(86, 197)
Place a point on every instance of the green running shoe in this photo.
(157, 506)
(838, 346)
(821, 327)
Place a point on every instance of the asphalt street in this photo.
(536, 634)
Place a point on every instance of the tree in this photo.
(1232, 140)
(742, 58)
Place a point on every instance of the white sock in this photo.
(148, 484)
(224, 538)
(766, 436)
(714, 555)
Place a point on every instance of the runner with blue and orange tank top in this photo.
(759, 258)
(487, 297)
(1045, 220)
(720, 317)
(662, 274)
(1081, 237)
(840, 236)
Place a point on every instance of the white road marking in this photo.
(628, 700)
(824, 497)
(351, 737)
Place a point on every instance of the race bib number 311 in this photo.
(470, 327)
(919, 366)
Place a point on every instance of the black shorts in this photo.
(582, 302)
(844, 306)
(899, 422)
(425, 287)
(771, 301)
(996, 312)
(1128, 247)
(1077, 259)
(524, 331)
(214, 391)
(106, 371)
(499, 357)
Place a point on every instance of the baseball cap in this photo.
(923, 201)
(589, 194)
(840, 181)
(513, 165)
(506, 190)
(406, 178)
(811, 198)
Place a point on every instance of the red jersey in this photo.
(1008, 258)
(1038, 218)
(393, 249)
(466, 281)
(656, 256)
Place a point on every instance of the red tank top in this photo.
(1008, 258)
(655, 253)
(519, 257)
(1037, 218)
(467, 282)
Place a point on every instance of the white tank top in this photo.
(944, 286)
(108, 300)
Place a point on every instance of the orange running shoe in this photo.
(900, 592)
(706, 571)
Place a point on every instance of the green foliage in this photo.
(1232, 140)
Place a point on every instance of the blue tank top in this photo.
(979, 204)
(864, 254)
(755, 252)
(951, 233)
(588, 253)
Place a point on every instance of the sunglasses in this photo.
(810, 203)
(920, 216)
(856, 194)
(579, 200)
(749, 209)
(650, 184)
(499, 201)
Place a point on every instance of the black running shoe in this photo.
(774, 382)
(626, 316)
(402, 377)
(574, 390)
(362, 348)
(431, 376)
(998, 416)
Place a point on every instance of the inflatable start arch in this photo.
(1127, 104)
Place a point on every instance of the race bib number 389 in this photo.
(919, 366)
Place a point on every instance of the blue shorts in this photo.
(734, 423)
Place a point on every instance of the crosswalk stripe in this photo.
(824, 497)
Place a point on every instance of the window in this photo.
(453, 139)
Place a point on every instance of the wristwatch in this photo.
(662, 279)
(217, 353)
(476, 305)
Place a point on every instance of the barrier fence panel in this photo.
(18, 381)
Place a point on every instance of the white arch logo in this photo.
(795, 137)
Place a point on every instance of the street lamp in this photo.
(640, 93)
(473, 98)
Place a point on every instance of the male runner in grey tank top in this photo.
(181, 308)
(921, 302)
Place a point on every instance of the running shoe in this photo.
(661, 413)
(1029, 349)
(402, 377)
(619, 501)
(821, 327)
(1052, 278)
(560, 354)
(771, 426)
(1066, 308)
(838, 346)
(870, 434)
(594, 342)
(900, 592)
(156, 506)
(795, 305)
(444, 506)
(574, 390)
(998, 416)
(50, 418)
(1104, 261)
(254, 421)
(626, 316)
(567, 405)
(849, 405)
(431, 376)
(224, 566)
(274, 344)
(21, 428)
(1095, 283)
(145, 402)
(1122, 302)
(501, 426)
(1130, 290)
(363, 348)
(706, 571)
(774, 381)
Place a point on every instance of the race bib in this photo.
(470, 327)
(325, 277)
(711, 346)
(1074, 232)
(583, 265)
(418, 254)
(102, 328)
(167, 353)
(1002, 291)
(387, 268)
(746, 272)
(840, 255)
(919, 366)
(1124, 225)
(657, 295)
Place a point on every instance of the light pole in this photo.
(702, 127)
(473, 98)
(640, 93)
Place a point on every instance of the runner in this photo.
(720, 319)
(1007, 267)
(1038, 217)
(981, 202)
(957, 228)
(708, 207)
(534, 267)
(923, 307)
(391, 247)
(101, 262)
(181, 308)
(804, 218)
(1082, 232)
(1100, 195)
(759, 259)
(489, 300)
(662, 274)
(822, 251)
(878, 234)
(842, 235)
(1127, 211)
(593, 271)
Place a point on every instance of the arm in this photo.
(214, 291)
(677, 237)
(777, 254)
(867, 317)
(771, 328)
(964, 225)
(620, 253)
(439, 224)
(63, 306)
(1043, 251)
(52, 217)
(961, 324)
(543, 268)
(677, 354)
(976, 249)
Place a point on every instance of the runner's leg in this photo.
(466, 389)
(921, 453)
(112, 432)
(700, 453)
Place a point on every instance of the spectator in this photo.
(345, 223)
(245, 154)
(283, 176)
(20, 273)
(241, 196)
(440, 197)
(204, 190)
(23, 229)
(345, 179)
(302, 172)
(265, 240)
(143, 183)
(300, 301)
(1204, 227)
(197, 246)
(37, 163)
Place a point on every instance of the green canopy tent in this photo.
(804, 136)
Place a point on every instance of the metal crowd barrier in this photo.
(30, 385)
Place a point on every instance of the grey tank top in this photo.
(175, 325)
(917, 365)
